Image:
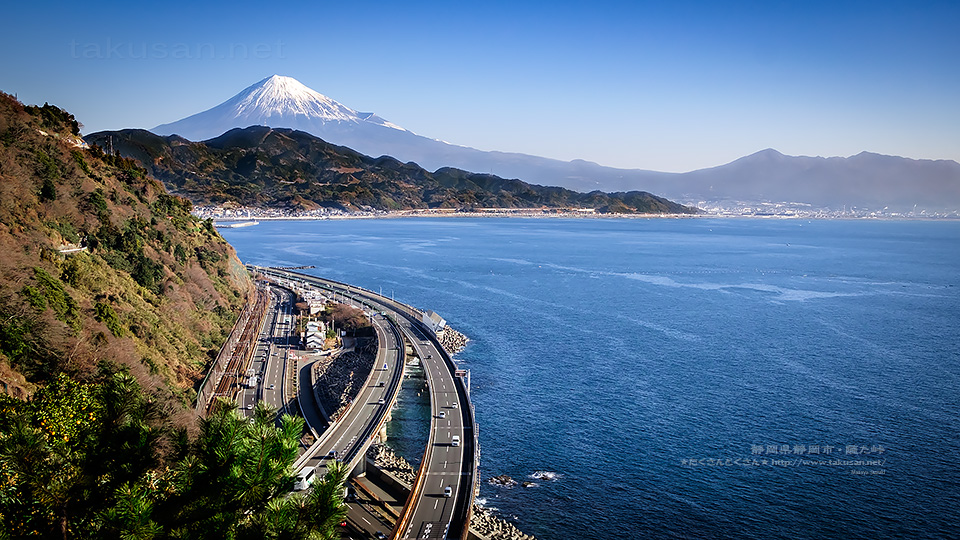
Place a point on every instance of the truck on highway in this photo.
(304, 478)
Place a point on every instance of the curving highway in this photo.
(441, 498)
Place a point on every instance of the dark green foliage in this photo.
(101, 460)
(48, 190)
(123, 249)
(23, 337)
(57, 298)
(106, 315)
(147, 273)
(207, 257)
(54, 118)
(48, 171)
(180, 253)
(97, 203)
(82, 163)
(66, 230)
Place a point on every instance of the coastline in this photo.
(222, 216)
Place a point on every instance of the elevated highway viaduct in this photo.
(441, 499)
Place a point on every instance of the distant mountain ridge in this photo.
(864, 180)
(283, 168)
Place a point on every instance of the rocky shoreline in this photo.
(453, 341)
(484, 523)
(387, 460)
(495, 528)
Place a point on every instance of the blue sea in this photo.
(685, 378)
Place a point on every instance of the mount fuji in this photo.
(284, 102)
(870, 180)
(277, 102)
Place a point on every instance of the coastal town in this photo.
(730, 209)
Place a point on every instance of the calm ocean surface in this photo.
(691, 378)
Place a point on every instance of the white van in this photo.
(304, 478)
(455, 441)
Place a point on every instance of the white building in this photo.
(314, 342)
(315, 335)
(433, 321)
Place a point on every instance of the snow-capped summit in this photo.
(276, 101)
(283, 96)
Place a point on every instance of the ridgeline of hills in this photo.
(100, 263)
(865, 180)
(263, 167)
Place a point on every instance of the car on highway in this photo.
(381, 401)
(447, 491)
(442, 415)
(272, 387)
(455, 441)
(380, 536)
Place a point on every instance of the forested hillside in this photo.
(113, 300)
(284, 168)
(100, 265)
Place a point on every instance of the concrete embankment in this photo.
(483, 526)
(339, 378)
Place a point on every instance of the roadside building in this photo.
(314, 300)
(434, 322)
(314, 336)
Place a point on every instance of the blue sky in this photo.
(670, 85)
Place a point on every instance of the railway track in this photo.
(228, 385)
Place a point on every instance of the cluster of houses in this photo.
(316, 332)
